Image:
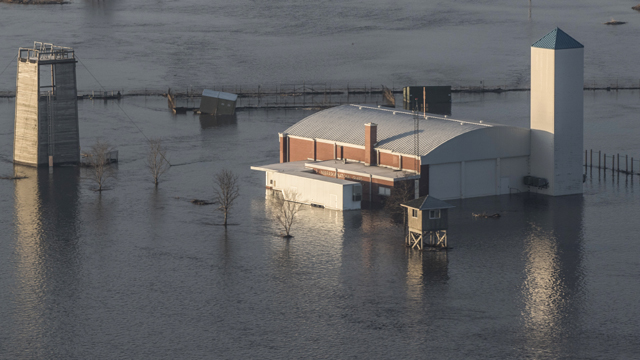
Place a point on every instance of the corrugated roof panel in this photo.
(427, 203)
(557, 40)
(220, 95)
(395, 128)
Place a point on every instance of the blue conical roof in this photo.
(557, 40)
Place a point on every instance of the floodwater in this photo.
(138, 44)
(138, 272)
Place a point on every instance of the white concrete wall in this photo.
(557, 118)
(25, 138)
(512, 173)
(480, 178)
(444, 181)
(315, 191)
(467, 179)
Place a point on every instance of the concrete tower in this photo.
(46, 121)
(557, 80)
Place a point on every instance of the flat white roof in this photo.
(297, 168)
(357, 168)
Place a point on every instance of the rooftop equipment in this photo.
(437, 99)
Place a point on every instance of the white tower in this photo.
(557, 81)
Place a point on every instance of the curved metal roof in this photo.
(395, 132)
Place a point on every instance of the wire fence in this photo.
(615, 163)
(326, 94)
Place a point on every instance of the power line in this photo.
(121, 109)
(6, 67)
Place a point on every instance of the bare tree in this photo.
(401, 193)
(157, 162)
(99, 161)
(226, 191)
(287, 207)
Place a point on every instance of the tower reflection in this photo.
(45, 214)
(553, 285)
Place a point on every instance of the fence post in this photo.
(605, 163)
(631, 166)
(618, 162)
(590, 158)
(585, 159)
(626, 160)
(599, 160)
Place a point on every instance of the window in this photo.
(271, 181)
(357, 193)
(414, 213)
(384, 191)
(434, 214)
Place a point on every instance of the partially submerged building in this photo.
(46, 117)
(448, 158)
(218, 103)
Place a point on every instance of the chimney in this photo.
(370, 139)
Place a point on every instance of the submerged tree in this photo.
(286, 209)
(401, 193)
(157, 162)
(226, 191)
(99, 162)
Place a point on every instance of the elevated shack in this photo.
(46, 117)
(428, 218)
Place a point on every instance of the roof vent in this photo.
(445, 116)
(360, 107)
(379, 106)
(394, 113)
(480, 121)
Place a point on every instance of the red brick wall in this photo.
(352, 153)
(300, 149)
(389, 159)
(324, 151)
(409, 163)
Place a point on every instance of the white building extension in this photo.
(312, 189)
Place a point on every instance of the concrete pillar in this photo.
(557, 81)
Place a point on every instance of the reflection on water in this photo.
(552, 290)
(212, 121)
(45, 213)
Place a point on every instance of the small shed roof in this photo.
(427, 203)
(220, 95)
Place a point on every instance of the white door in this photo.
(504, 185)
(334, 202)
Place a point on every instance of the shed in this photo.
(313, 189)
(218, 102)
(427, 216)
